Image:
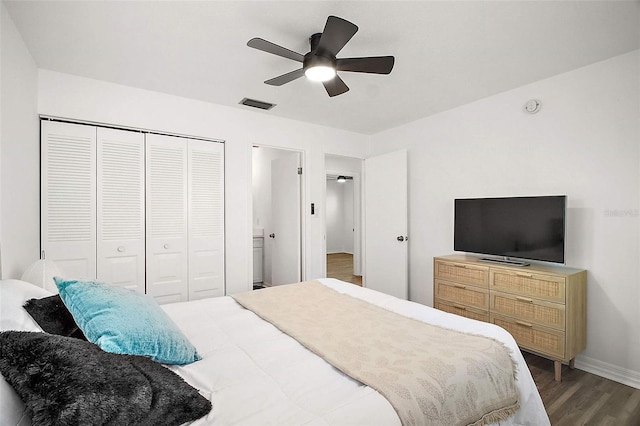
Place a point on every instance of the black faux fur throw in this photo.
(66, 381)
(52, 316)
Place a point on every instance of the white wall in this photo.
(20, 150)
(333, 210)
(27, 92)
(345, 165)
(340, 223)
(584, 143)
(68, 96)
(349, 216)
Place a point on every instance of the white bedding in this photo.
(256, 375)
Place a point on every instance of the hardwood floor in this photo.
(583, 398)
(340, 266)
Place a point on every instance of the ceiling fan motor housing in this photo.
(317, 57)
(311, 59)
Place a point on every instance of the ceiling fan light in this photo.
(341, 179)
(320, 73)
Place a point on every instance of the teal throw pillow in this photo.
(124, 321)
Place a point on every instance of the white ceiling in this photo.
(448, 53)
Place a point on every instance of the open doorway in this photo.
(277, 224)
(343, 218)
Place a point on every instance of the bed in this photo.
(254, 374)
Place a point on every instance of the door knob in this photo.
(121, 249)
(400, 238)
(272, 235)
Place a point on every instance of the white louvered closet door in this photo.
(166, 213)
(120, 208)
(206, 219)
(68, 197)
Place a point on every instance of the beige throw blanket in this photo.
(430, 375)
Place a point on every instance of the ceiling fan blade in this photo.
(372, 65)
(285, 78)
(337, 32)
(267, 46)
(335, 86)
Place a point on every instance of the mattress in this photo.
(256, 375)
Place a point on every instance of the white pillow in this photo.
(13, 294)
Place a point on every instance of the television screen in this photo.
(520, 227)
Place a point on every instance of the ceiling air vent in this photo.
(256, 104)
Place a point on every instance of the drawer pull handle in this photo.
(521, 274)
(524, 324)
(460, 266)
(524, 299)
(460, 286)
(462, 308)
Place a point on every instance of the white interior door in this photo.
(285, 234)
(120, 197)
(166, 212)
(68, 198)
(386, 246)
(206, 219)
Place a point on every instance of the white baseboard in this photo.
(609, 371)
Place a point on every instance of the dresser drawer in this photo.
(542, 306)
(462, 273)
(539, 286)
(464, 311)
(462, 294)
(530, 310)
(543, 340)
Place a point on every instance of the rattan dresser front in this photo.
(543, 307)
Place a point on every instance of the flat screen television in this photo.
(531, 228)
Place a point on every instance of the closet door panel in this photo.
(68, 197)
(120, 208)
(166, 213)
(206, 219)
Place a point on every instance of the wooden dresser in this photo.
(543, 307)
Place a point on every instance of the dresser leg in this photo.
(558, 370)
(572, 363)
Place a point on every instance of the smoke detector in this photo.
(532, 106)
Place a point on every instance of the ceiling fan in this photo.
(320, 63)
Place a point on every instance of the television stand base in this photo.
(505, 261)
